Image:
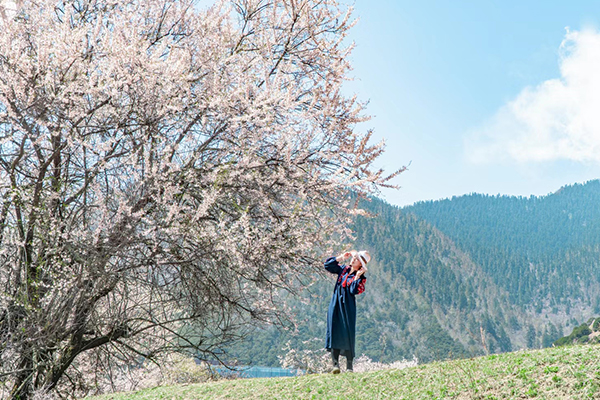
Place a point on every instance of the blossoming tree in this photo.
(165, 171)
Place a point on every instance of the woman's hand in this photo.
(343, 256)
(360, 272)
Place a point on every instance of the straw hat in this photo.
(364, 257)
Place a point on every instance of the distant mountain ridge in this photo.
(568, 217)
(542, 250)
(465, 276)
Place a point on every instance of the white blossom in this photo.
(165, 172)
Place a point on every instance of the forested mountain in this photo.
(463, 276)
(543, 250)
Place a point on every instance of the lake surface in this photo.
(256, 372)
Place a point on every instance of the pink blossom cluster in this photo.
(313, 358)
(166, 172)
(365, 364)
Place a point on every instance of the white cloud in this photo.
(556, 120)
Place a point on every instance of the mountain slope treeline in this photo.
(542, 250)
(461, 277)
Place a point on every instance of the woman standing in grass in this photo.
(341, 316)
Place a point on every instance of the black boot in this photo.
(335, 356)
(349, 367)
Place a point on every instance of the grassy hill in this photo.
(571, 372)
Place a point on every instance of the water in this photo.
(255, 372)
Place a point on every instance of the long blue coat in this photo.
(341, 316)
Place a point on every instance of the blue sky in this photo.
(480, 96)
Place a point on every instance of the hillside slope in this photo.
(466, 276)
(554, 373)
(448, 303)
(424, 298)
(543, 250)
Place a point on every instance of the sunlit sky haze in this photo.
(497, 97)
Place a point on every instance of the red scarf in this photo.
(345, 283)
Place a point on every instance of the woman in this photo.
(341, 316)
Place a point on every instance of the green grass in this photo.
(571, 372)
